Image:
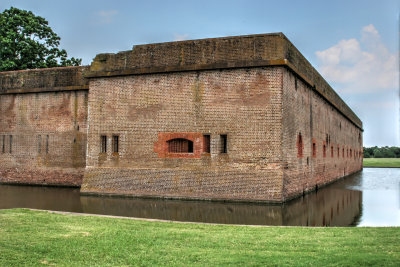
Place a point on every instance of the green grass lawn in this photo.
(382, 162)
(40, 238)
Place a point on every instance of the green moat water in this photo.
(368, 198)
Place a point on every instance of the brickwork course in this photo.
(243, 118)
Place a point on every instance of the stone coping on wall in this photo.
(247, 51)
(44, 80)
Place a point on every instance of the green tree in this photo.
(366, 154)
(396, 151)
(27, 42)
(378, 153)
(369, 151)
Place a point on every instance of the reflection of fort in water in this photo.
(329, 206)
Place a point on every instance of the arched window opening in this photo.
(206, 143)
(223, 143)
(103, 147)
(314, 149)
(299, 146)
(180, 145)
(324, 150)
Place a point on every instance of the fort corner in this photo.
(243, 118)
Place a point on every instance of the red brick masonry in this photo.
(161, 146)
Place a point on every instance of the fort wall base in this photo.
(50, 177)
(196, 184)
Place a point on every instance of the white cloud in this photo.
(106, 16)
(364, 65)
(181, 37)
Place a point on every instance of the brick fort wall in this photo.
(143, 111)
(236, 118)
(336, 141)
(43, 124)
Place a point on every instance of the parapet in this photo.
(43, 80)
(246, 51)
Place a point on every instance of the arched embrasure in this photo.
(180, 145)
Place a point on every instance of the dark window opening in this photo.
(3, 149)
(300, 145)
(39, 143)
(343, 152)
(47, 144)
(224, 143)
(295, 83)
(314, 150)
(11, 143)
(115, 144)
(206, 143)
(331, 151)
(338, 152)
(324, 151)
(180, 145)
(103, 140)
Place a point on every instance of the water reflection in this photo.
(323, 208)
(38, 197)
(367, 198)
(327, 207)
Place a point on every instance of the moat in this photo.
(367, 198)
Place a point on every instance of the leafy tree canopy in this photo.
(382, 152)
(27, 42)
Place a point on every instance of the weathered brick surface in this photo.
(47, 129)
(245, 104)
(223, 184)
(40, 80)
(305, 112)
(42, 176)
(258, 50)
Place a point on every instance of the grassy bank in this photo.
(41, 238)
(382, 162)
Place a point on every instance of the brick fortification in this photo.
(43, 125)
(239, 118)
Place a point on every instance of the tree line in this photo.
(382, 152)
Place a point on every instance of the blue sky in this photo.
(353, 44)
